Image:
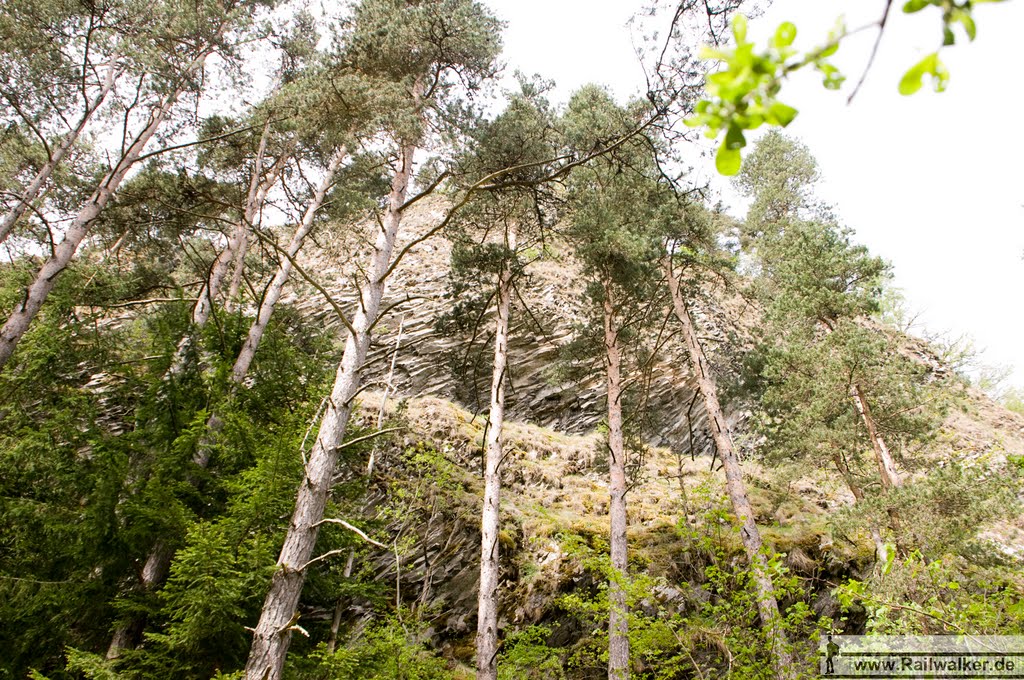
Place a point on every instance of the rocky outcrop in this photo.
(544, 320)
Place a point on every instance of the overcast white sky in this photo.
(931, 182)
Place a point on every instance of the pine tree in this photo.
(63, 61)
(404, 42)
(171, 75)
(823, 361)
(690, 249)
(492, 232)
(614, 204)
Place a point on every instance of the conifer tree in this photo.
(614, 202)
(495, 228)
(418, 44)
(264, 171)
(62, 61)
(256, 161)
(688, 248)
(173, 73)
(344, 109)
(823, 365)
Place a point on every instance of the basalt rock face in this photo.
(547, 310)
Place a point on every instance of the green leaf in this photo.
(912, 6)
(911, 81)
(832, 78)
(829, 50)
(707, 53)
(734, 138)
(693, 121)
(890, 556)
(783, 113)
(941, 75)
(727, 161)
(739, 28)
(969, 26)
(785, 34)
(947, 36)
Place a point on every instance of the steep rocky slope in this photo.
(556, 499)
(555, 475)
(431, 363)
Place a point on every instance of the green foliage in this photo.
(701, 627)
(953, 14)
(943, 596)
(451, 43)
(389, 649)
(403, 39)
(743, 95)
(62, 463)
(931, 65)
(943, 509)
(618, 206)
(817, 287)
(1013, 400)
(95, 457)
(778, 175)
(526, 654)
(98, 438)
(211, 581)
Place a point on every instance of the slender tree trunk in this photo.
(618, 614)
(887, 473)
(20, 319)
(53, 162)
(259, 326)
(154, 571)
(280, 609)
(259, 188)
(233, 252)
(490, 546)
(858, 496)
(237, 271)
(284, 270)
(339, 606)
(768, 607)
(203, 307)
(886, 466)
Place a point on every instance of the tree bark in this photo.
(339, 606)
(618, 613)
(858, 496)
(237, 270)
(20, 319)
(284, 270)
(252, 342)
(490, 546)
(886, 466)
(233, 253)
(768, 607)
(53, 162)
(273, 632)
(154, 571)
(259, 187)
